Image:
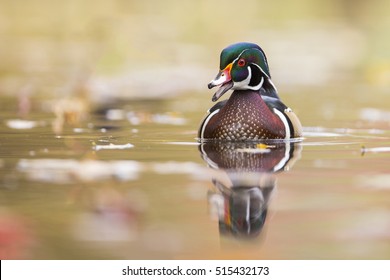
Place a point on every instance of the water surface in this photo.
(131, 181)
(100, 102)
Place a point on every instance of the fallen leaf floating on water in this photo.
(375, 150)
(374, 115)
(22, 124)
(113, 147)
(70, 170)
(170, 118)
(69, 111)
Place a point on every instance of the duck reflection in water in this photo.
(246, 181)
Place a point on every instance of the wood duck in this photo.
(254, 110)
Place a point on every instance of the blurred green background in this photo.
(159, 49)
(63, 64)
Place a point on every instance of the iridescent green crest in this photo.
(249, 51)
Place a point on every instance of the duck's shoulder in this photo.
(276, 105)
(217, 106)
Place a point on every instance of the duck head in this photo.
(243, 66)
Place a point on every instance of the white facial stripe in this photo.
(261, 69)
(285, 122)
(206, 122)
(244, 84)
(238, 57)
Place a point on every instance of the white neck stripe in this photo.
(245, 83)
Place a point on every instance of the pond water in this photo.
(99, 111)
(130, 181)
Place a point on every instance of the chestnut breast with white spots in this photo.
(245, 116)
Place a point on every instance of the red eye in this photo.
(241, 62)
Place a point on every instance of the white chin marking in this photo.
(220, 81)
(245, 83)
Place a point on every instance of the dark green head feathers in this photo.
(249, 51)
(243, 66)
